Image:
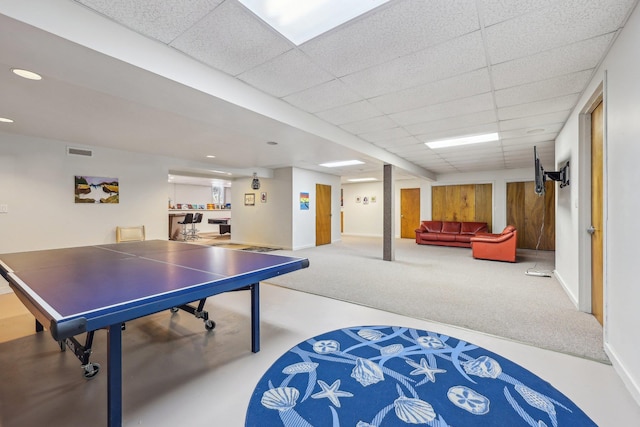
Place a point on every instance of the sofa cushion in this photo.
(464, 238)
(432, 226)
(473, 227)
(450, 227)
(447, 237)
(429, 236)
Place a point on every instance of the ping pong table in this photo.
(75, 291)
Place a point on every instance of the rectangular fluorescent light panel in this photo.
(361, 179)
(302, 20)
(465, 140)
(343, 163)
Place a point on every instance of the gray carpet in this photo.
(448, 285)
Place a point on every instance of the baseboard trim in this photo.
(629, 382)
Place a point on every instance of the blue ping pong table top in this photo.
(95, 282)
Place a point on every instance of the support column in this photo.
(389, 249)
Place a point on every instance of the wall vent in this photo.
(79, 152)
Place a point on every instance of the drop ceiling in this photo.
(186, 79)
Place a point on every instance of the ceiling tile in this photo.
(549, 128)
(454, 125)
(468, 105)
(494, 11)
(349, 113)
(232, 40)
(561, 103)
(454, 57)
(509, 144)
(161, 20)
(544, 89)
(323, 97)
(579, 56)
(391, 31)
(531, 122)
(554, 26)
(369, 125)
(286, 74)
(461, 86)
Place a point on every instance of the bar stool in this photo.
(197, 219)
(188, 219)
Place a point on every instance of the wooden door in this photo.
(323, 214)
(409, 212)
(597, 286)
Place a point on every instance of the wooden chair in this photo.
(130, 234)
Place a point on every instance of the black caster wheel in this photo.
(209, 325)
(91, 370)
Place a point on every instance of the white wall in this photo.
(363, 219)
(37, 184)
(189, 194)
(280, 222)
(266, 223)
(304, 221)
(622, 179)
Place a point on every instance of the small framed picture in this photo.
(263, 197)
(249, 199)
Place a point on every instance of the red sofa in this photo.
(496, 247)
(449, 233)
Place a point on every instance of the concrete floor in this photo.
(176, 373)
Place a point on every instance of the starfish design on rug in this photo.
(331, 392)
(423, 368)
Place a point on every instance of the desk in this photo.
(80, 290)
(224, 225)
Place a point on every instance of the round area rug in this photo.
(394, 376)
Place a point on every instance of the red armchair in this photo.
(497, 247)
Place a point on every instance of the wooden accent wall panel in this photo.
(438, 203)
(484, 204)
(468, 202)
(526, 211)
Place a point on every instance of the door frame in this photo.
(584, 212)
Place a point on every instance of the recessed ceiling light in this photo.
(5, 120)
(302, 20)
(26, 74)
(465, 140)
(530, 131)
(343, 163)
(210, 156)
(361, 179)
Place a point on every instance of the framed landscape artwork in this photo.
(93, 189)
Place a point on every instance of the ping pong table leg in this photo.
(114, 381)
(255, 317)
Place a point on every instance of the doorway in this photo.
(323, 214)
(409, 212)
(597, 229)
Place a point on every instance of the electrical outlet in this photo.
(4, 208)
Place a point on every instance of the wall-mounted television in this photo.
(541, 175)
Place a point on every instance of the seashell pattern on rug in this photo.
(373, 376)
